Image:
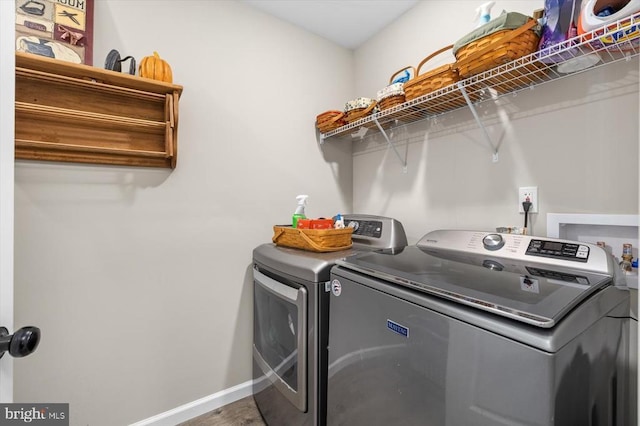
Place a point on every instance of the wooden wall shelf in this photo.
(77, 113)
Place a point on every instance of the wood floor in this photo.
(240, 413)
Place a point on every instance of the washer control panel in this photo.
(560, 250)
(524, 248)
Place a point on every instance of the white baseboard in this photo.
(198, 407)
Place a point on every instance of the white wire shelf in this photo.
(618, 41)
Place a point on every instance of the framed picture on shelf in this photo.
(59, 29)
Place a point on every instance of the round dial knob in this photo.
(493, 242)
(354, 224)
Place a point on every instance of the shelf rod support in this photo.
(404, 163)
(478, 120)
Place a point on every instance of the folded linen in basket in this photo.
(358, 103)
(506, 21)
(391, 90)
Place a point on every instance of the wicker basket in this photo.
(496, 49)
(391, 101)
(432, 80)
(318, 240)
(397, 98)
(358, 113)
(330, 120)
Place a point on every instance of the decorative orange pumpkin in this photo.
(155, 68)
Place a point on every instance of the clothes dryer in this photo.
(291, 307)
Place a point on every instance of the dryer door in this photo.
(280, 337)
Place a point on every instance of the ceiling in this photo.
(348, 23)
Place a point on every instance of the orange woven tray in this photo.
(432, 80)
(496, 49)
(318, 240)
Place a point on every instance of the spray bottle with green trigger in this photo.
(299, 213)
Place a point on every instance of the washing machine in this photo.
(291, 307)
(475, 328)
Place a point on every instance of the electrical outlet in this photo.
(529, 193)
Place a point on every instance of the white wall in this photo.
(576, 139)
(140, 279)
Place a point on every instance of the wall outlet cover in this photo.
(528, 193)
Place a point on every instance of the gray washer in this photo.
(419, 337)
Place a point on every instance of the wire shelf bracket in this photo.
(395, 150)
(495, 157)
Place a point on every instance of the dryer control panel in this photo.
(370, 228)
(375, 232)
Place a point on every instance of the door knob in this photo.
(21, 343)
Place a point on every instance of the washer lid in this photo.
(528, 291)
